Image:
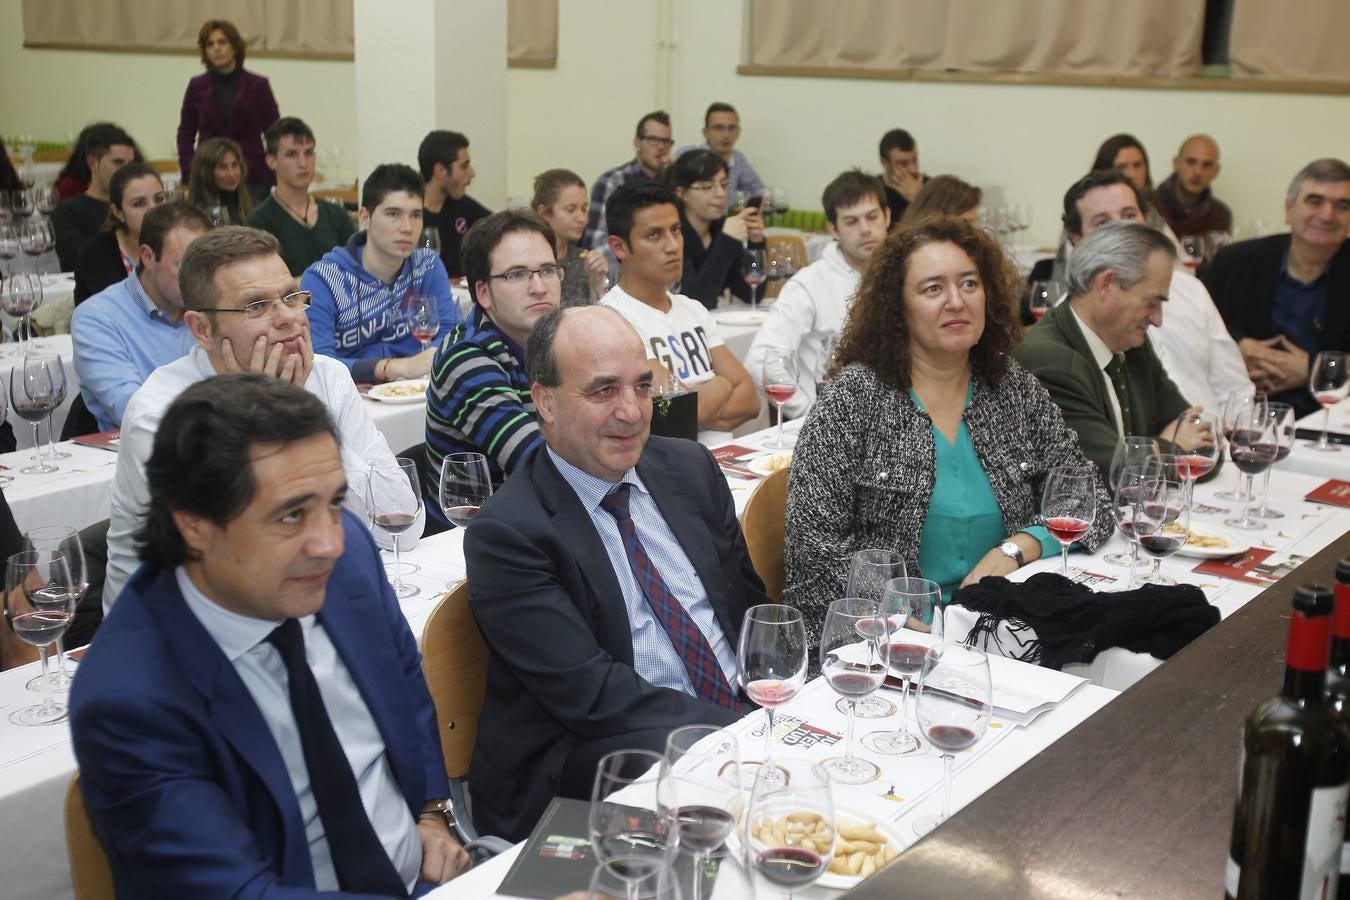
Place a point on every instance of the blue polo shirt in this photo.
(120, 337)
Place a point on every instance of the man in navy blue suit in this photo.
(252, 720)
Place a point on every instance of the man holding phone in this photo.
(721, 130)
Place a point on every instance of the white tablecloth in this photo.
(10, 356)
(1328, 464)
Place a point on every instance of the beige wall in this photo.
(1025, 142)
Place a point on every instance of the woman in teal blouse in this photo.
(928, 438)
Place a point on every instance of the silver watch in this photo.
(1013, 552)
(447, 809)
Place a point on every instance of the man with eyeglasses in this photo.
(245, 318)
(721, 130)
(652, 143)
(363, 292)
(126, 331)
(479, 398)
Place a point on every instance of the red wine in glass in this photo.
(854, 682)
(952, 738)
(395, 522)
(1328, 399)
(780, 393)
(1193, 466)
(1066, 529)
(34, 411)
(461, 515)
(1254, 459)
(703, 828)
(1161, 544)
(424, 334)
(790, 867)
(1037, 312)
(770, 693)
(907, 659)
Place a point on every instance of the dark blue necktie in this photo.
(361, 863)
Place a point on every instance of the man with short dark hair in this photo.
(126, 331)
(479, 397)
(721, 130)
(254, 719)
(361, 291)
(245, 318)
(651, 144)
(76, 219)
(305, 227)
(900, 171)
(608, 575)
(1185, 199)
(1287, 297)
(443, 157)
(679, 332)
(810, 310)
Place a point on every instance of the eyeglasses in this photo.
(258, 309)
(717, 187)
(659, 141)
(518, 277)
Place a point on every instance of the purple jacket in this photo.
(254, 111)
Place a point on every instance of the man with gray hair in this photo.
(1092, 352)
(244, 317)
(1286, 297)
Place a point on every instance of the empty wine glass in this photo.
(702, 771)
(780, 383)
(33, 395)
(218, 215)
(912, 609)
(1163, 521)
(615, 879)
(754, 269)
(393, 501)
(1283, 425)
(956, 701)
(465, 486)
(62, 385)
(771, 659)
(1329, 382)
(9, 246)
(1131, 450)
(22, 295)
(1252, 448)
(21, 201)
(1069, 505)
(633, 829)
(39, 605)
(65, 540)
(423, 316)
(870, 571)
(796, 794)
(853, 655)
(46, 198)
(430, 239)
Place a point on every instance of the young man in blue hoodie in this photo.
(361, 291)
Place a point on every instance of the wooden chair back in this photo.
(454, 661)
(762, 524)
(775, 247)
(89, 872)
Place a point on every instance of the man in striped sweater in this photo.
(479, 396)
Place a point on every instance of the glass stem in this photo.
(61, 656)
(1134, 562)
(398, 568)
(904, 707)
(947, 785)
(47, 700)
(37, 447)
(848, 747)
(1064, 558)
(1326, 426)
(768, 736)
(1247, 502)
(1153, 572)
(780, 424)
(1265, 496)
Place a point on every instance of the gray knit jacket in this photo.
(863, 471)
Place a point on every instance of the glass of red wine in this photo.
(771, 659)
(853, 659)
(1234, 408)
(1069, 505)
(1132, 450)
(393, 503)
(424, 319)
(795, 791)
(39, 605)
(755, 271)
(912, 608)
(780, 383)
(629, 823)
(1253, 449)
(1163, 521)
(33, 395)
(65, 540)
(702, 765)
(1126, 508)
(956, 701)
(1196, 463)
(1329, 382)
(466, 484)
(1039, 299)
(1283, 423)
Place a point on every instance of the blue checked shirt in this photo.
(596, 227)
(741, 176)
(654, 657)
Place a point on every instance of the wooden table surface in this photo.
(1135, 802)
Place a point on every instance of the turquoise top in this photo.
(964, 521)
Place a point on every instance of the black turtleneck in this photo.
(223, 87)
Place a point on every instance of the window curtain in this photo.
(1142, 38)
(532, 33)
(1304, 41)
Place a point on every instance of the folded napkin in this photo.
(1073, 623)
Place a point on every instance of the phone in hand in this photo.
(756, 201)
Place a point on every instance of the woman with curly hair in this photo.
(220, 178)
(928, 438)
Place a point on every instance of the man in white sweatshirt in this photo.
(810, 310)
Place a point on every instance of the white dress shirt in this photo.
(243, 640)
(1197, 351)
(1102, 356)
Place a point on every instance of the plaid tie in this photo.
(693, 648)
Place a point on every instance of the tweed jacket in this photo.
(865, 463)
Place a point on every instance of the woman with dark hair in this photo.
(560, 200)
(945, 195)
(713, 241)
(112, 254)
(75, 175)
(226, 102)
(928, 437)
(1124, 153)
(220, 178)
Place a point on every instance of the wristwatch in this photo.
(1013, 552)
(447, 809)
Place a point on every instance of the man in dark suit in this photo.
(609, 577)
(1287, 296)
(252, 720)
(1092, 354)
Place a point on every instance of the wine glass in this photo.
(1131, 450)
(33, 242)
(853, 655)
(62, 385)
(63, 539)
(797, 795)
(1252, 449)
(22, 203)
(393, 501)
(6, 209)
(771, 659)
(614, 879)
(1237, 407)
(1125, 507)
(430, 239)
(1163, 521)
(1283, 424)
(46, 198)
(466, 485)
(1192, 251)
(1068, 506)
(1197, 462)
(780, 383)
(956, 701)
(39, 604)
(702, 771)
(869, 571)
(22, 295)
(631, 828)
(754, 270)
(1039, 299)
(33, 395)
(217, 214)
(423, 316)
(912, 608)
(9, 245)
(1214, 241)
(1329, 384)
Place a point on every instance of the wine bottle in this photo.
(1289, 823)
(1338, 683)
